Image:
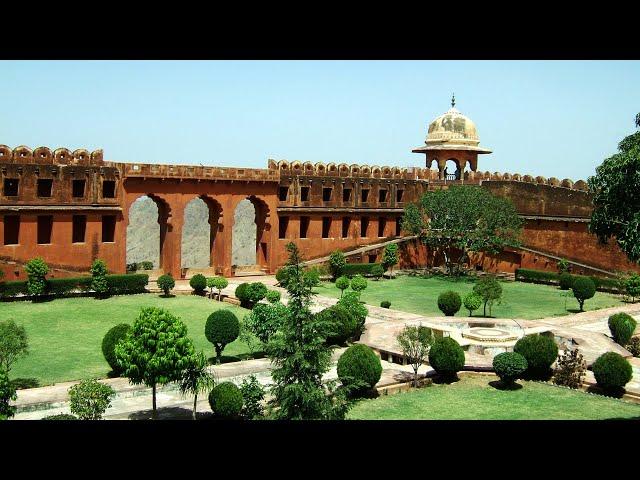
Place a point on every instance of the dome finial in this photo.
(453, 100)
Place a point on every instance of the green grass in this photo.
(65, 335)
(519, 300)
(472, 398)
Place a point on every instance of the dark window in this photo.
(304, 194)
(282, 193)
(79, 228)
(382, 195)
(326, 194)
(372, 259)
(11, 187)
(45, 226)
(108, 189)
(283, 224)
(382, 223)
(304, 226)
(346, 195)
(365, 195)
(399, 195)
(346, 223)
(44, 187)
(78, 188)
(108, 228)
(364, 226)
(398, 225)
(326, 227)
(11, 229)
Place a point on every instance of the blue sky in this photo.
(550, 118)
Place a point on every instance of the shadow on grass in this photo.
(500, 385)
(171, 295)
(114, 374)
(445, 379)
(170, 413)
(613, 392)
(22, 383)
(574, 310)
(236, 358)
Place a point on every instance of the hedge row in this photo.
(118, 285)
(364, 269)
(552, 278)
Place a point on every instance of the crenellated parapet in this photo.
(516, 177)
(298, 168)
(44, 156)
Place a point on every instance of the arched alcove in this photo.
(144, 232)
(196, 235)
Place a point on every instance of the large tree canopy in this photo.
(616, 197)
(463, 219)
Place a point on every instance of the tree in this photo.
(13, 344)
(616, 197)
(570, 369)
(166, 283)
(300, 356)
(342, 283)
(461, 220)
(583, 289)
(358, 284)
(99, 278)
(472, 302)
(196, 379)
(7, 394)
(253, 394)
(337, 262)
(219, 283)
(490, 290)
(377, 272)
(563, 265)
(36, 270)
(264, 320)
(415, 342)
(632, 286)
(156, 351)
(89, 399)
(390, 257)
(222, 328)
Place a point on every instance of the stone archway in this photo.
(202, 222)
(146, 230)
(249, 243)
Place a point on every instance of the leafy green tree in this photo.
(342, 283)
(222, 328)
(166, 283)
(337, 262)
(300, 356)
(253, 394)
(89, 399)
(583, 289)
(36, 270)
(264, 320)
(357, 310)
(156, 351)
(390, 257)
(632, 286)
(415, 342)
(616, 197)
(99, 278)
(196, 379)
(219, 283)
(14, 344)
(490, 290)
(7, 394)
(461, 220)
(472, 302)
(358, 284)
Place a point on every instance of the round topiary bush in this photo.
(273, 296)
(222, 328)
(340, 323)
(449, 303)
(358, 284)
(226, 400)
(256, 291)
(359, 365)
(342, 283)
(622, 327)
(446, 356)
(199, 283)
(241, 293)
(509, 366)
(583, 288)
(612, 371)
(565, 280)
(109, 341)
(166, 283)
(385, 304)
(472, 301)
(540, 352)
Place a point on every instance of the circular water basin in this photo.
(487, 334)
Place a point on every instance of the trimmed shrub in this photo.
(273, 296)
(540, 352)
(565, 281)
(358, 284)
(313, 276)
(352, 269)
(63, 286)
(612, 371)
(551, 278)
(89, 399)
(449, 303)
(166, 283)
(385, 304)
(99, 282)
(340, 325)
(36, 270)
(357, 311)
(337, 262)
(282, 275)
(583, 288)
(219, 283)
(509, 366)
(390, 257)
(13, 288)
(199, 283)
(132, 267)
(241, 293)
(359, 367)
(251, 293)
(377, 272)
(60, 416)
(226, 400)
(446, 356)
(472, 301)
(342, 283)
(222, 328)
(146, 265)
(622, 327)
(128, 284)
(109, 341)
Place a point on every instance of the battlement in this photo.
(199, 172)
(44, 156)
(516, 177)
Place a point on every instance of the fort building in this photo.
(71, 207)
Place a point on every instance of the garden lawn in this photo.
(472, 398)
(65, 335)
(519, 300)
